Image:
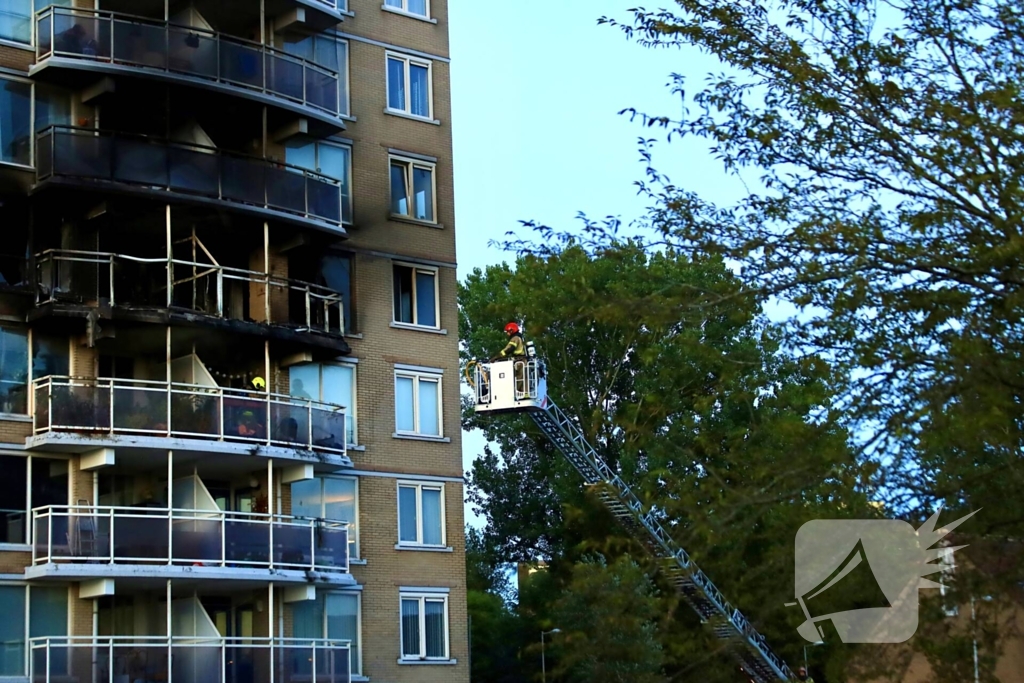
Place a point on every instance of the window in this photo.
(418, 404)
(412, 189)
(13, 370)
(330, 383)
(16, 18)
(424, 626)
(415, 293)
(49, 487)
(326, 51)
(409, 86)
(332, 615)
(420, 8)
(421, 514)
(330, 498)
(336, 274)
(48, 616)
(15, 121)
(326, 158)
(53, 107)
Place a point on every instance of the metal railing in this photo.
(188, 169)
(134, 41)
(211, 538)
(188, 659)
(166, 409)
(82, 276)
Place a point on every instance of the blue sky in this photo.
(536, 87)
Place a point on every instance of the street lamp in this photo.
(820, 642)
(543, 664)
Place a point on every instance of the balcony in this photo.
(207, 538)
(188, 659)
(175, 171)
(208, 288)
(193, 56)
(136, 407)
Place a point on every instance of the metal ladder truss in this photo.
(758, 662)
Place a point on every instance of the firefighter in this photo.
(516, 347)
(802, 676)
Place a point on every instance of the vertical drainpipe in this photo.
(270, 624)
(170, 642)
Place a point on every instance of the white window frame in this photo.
(423, 598)
(417, 377)
(407, 60)
(411, 165)
(345, 75)
(404, 9)
(351, 410)
(30, 460)
(437, 295)
(419, 486)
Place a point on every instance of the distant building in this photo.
(229, 401)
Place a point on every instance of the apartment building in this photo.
(229, 402)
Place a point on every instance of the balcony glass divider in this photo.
(131, 41)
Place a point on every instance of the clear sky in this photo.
(536, 87)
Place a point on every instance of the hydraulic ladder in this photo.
(757, 660)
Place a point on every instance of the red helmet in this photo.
(512, 328)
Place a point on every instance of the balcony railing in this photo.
(131, 535)
(189, 170)
(166, 409)
(132, 41)
(186, 659)
(63, 275)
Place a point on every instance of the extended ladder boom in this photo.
(758, 661)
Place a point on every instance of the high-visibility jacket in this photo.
(515, 347)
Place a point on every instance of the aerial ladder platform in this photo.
(519, 385)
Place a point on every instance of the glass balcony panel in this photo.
(244, 418)
(141, 162)
(78, 407)
(328, 426)
(41, 535)
(44, 155)
(192, 51)
(284, 76)
(140, 409)
(198, 662)
(81, 35)
(286, 189)
(324, 199)
(142, 661)
(246, 543)
(290, 423)
(140, 534)
(331, 546)
(293, 545)
(82, 154)
(195, 413)
(86, 533)
(44, 41)
(332, 664)
(196, 539)
(243, 180)
(241, 64)
(322, 89)
(194, 170)
(247, 664)
(140, 44)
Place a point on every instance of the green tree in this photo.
(495, 633)
(611, 616)
(692, 401)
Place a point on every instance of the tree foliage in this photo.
(691, 400)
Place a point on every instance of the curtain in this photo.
(432, 531)
(430, 423)
(396, 84)
(407, 517)
(404, 417)
(410, 628)
(434, 626)
(419, 90)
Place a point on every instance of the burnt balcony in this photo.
(190, 173)
(100, 278)
(208, 538)
(117, 43)
(136, 407)
(188, 659)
